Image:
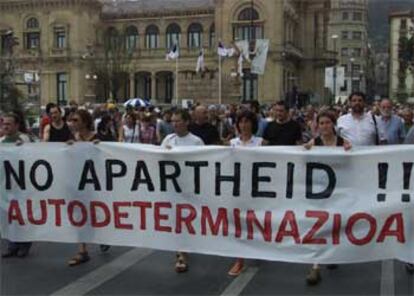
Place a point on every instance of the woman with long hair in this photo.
(83, 127)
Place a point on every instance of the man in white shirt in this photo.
(358, 127)
(181, 137)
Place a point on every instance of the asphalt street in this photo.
(129, 271)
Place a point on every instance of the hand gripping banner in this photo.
(281, 204)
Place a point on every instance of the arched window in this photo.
(248, 25)
(249, 14)
(151, 36)
(111, 38)
(32, 23)
(173, 35)
(131, 38)
(212, 36)
(195, 32)
(32, 34)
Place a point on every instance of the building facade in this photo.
(402, 56)
(348, 36)
(90, 50)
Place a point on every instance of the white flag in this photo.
(243, 47)
(173, 54)
(260, 59)
(225, 52)
(200, 62)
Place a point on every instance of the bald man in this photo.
(202, 128)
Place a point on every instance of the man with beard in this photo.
(392, 126)
(359, 127)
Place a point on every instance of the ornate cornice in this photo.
(135, 15)
(22, 5)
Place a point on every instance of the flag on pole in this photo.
(225, 52)
(200, 62)
(173, 54)
(260, 59)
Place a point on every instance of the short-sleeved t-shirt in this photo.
(286, 134)
(174, 141)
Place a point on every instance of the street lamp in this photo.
(361, 76)
(352, 60)
(334, 38)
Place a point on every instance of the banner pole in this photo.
(220, 81)
(176, 82)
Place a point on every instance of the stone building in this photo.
(402, 56)
(348, 36)
(89, 50)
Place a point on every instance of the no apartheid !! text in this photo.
(41, 177)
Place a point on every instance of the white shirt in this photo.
(359, 131)
(131, 135)
(174, 140)
(253, 142)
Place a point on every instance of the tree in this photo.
(9, 94)
(113, 62)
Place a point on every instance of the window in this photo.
(250, 86)
(60, 37)
(212, 41)
(344, 52)
(62, 88)
(249, 14)
(357, 16)
(345, 16)
(248, 26)
(356, 35)
(32, 40)
(32, 34)
(111, 39)
(173, 36)
(195, 32)
(404, 24)
(356, 68)
(32, 23)
(344, 35)
(151, 37)
(131, 38)
(357, 52)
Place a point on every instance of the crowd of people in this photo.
(248, 124)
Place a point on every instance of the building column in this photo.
(154, 88)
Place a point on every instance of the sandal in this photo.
(181, 263)
(237, 268)
(79, 259)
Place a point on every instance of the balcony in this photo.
(293, 51)
(326, 57)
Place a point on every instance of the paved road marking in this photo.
(238, 284)
(104, 273)
(387, 278)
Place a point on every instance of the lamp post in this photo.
(334, 38)
(352, 61)
(91, 81)
(361, 79)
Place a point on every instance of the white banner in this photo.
(260, 60)
(272, 203)
(330, 80)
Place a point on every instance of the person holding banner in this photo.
(13, 125)
(326, 122)
(247, 126)
(181, 137)
(83, 127)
